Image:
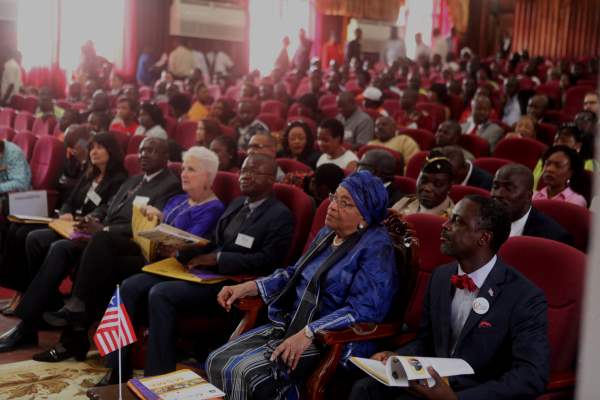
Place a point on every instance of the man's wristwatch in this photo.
(309, 333)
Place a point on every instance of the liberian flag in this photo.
(115, 330)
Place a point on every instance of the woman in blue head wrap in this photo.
(348, 275)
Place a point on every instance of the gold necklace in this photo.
(337, 241)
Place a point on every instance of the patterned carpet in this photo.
(26, 380)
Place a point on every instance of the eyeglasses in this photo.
(343, 204)
(258, 146)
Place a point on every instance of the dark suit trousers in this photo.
(165, 299)
(14, 272)
(43, 292)
(369, 389)
(107, 259)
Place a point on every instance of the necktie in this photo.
(474, 130)
(130, 194)
(233, 227)
(463, 282)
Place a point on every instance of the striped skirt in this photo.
(241, 368)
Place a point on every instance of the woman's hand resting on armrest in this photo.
(229, 294)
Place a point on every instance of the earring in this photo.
(361, 226)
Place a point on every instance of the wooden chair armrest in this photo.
(561, 381)
(251, 307)
(359, 333)
(404, 339)
(250, 303)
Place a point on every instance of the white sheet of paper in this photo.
(31, 202)
(244, 240)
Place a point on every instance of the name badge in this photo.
(141, 201)
(94, 197)
(244, 240)
(348, 134)
(481, 305)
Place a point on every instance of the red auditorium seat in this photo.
(545, 133)
(43, 126)
(327, 100)
(392, 106)
(574, 99)
(575, 219)
(30, 104)
(26, 141)
(228, 131)
(227, 186)
(273, 107)
(436, 111)
(425, 139)
(7, 117)
(318, 222)
(457, 106)
(146, 93)
(132, 164)
(23, 121)
(374, 114)
(405, 184)
(291, 165)
(330, 111)
(298, 110)
(457, 192)
(559, 270)
(165, 108)
(133, 145)
(171, 126)
(491, 164)
(6, 133)
(64, 104)
(302, 210)
(273, 121)
(556, 117)
(17, 101)
(520, 150)
(46, 165)
(478, 146)
(122, 138)
(185, 134)
(175, 168)
(414, 165)
(552, 91)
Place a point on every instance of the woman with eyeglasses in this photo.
(298, 143)
(347, 275)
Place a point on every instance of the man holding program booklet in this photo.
(477, 309)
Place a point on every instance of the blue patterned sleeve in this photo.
(18, 174)
(372, 291)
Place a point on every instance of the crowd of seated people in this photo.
(358, 139)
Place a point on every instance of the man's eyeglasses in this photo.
(343, 204)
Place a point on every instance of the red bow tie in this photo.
(463, 282)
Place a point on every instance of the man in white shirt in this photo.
(422, 50)
(440, 44)
(181, 61)
(512, 109)
(11, 77)
(219, 63)
(395, 47)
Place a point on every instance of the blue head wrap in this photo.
(369, 195)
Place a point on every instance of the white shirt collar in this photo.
(148, 178)
(517, 227)
(468, 176)
(481, 274)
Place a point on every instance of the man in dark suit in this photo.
(155, 187)
(383, 165)
(465, 172)
(252, 237)
(512, 188)
(480, 310)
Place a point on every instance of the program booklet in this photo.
(399, 370)
(172, 268)
(183, 384)
(28, 219)
(170, 236)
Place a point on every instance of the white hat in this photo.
(372, 93)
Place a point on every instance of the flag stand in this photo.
(120, 333)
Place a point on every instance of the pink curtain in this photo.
(441, 17)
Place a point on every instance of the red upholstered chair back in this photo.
(43, 126)
(405, 184)
(185, 134)
(170, 126)
(175, 168)
(23, 121)
(478, 146)
(273, 107)
(491, 164)
(30, 104)
(122, 138)
(227, 186)
(559, 270)
(545, 133)
(297, 110)
(574, 99)
(575, 219)
(457, 106)
(132, 164)
(427, 230)
(165, 108)
(17, 101)
(26, 141)
(146, 93)
(436, 111)
(330, 111)
(273, 121)
(228, 131)
(302, 210)
(318, 222)
(46, 162)
(556, 117)
(392, 106)
(7, 117)
(291, 165)
(133, 145)
(425, 139)
(374, 114)
(327, 100)
(416, 162)
(457, 192)
(552, 90)
(6, 133)
(520, 150)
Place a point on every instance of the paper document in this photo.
(179, 385)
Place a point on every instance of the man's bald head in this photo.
(380, 163)
(263, 143)
(346, 103)
(537, 105)
(512, 189)
(257, 176)
(456, 156)
(448, 133)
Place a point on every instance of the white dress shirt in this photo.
(517, 227)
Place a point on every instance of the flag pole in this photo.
(119, 341)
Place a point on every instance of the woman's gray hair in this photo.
(208, 159)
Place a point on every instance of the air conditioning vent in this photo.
(203, 19)
(8, 10)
